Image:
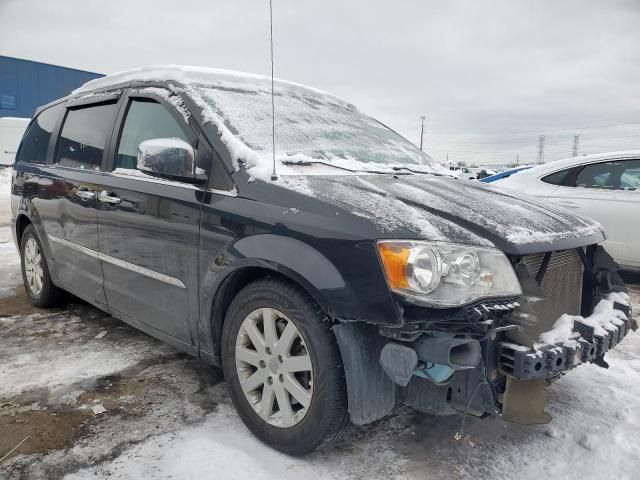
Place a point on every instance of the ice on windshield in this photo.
(309, 127)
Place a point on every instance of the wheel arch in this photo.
(235, 280)
(28, 215)
(22, 221)
(260, 256)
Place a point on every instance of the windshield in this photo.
(310, 126)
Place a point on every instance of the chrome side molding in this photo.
(120, 263)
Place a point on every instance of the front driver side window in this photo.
(146, 119)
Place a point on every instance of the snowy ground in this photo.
(167, 416)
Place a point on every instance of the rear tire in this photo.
(35, 272)
(262, 362)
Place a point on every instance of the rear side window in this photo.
(630, 178)
(35, 142)
(84, 135)
(597, 175)
(612, 175)
(556, 178)
(146, 120)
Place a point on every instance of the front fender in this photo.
(343, 277)
(286, 256)
(294, 258)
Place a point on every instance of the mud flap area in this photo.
(371, 393)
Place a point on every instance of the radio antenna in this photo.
(274, 175)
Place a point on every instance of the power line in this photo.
(529, 132)
(524, 141)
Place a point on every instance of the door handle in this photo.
(104, 197)
(85, 194)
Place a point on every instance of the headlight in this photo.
(447, 274)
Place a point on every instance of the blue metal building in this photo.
(26, 85)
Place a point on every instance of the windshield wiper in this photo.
(346, 169)
(421, 172)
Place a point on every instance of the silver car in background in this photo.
(605, 187)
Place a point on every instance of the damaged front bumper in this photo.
(588, 343)
(478, 359)
(528, 371)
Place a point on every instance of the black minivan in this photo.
(332, 276)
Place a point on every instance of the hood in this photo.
(446, 209)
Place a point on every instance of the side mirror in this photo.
(171, 157)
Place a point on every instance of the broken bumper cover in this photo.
(547, 360)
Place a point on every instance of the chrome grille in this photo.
(562, 288)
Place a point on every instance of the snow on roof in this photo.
(567, 162)
(185, 74)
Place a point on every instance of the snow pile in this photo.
(9, 258)
(604, 318)
(223, 445)
(562, 332)
(68, 349)
(5, 182)
(11, 275)
(619, 297)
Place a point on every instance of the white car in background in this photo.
(11, 131)
(462, 172)
(605, 187)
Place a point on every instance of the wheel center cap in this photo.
(274, 365)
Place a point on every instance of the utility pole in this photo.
(576, 142)
(540, 149)
(517, 160)
(447, 158)
(421, 130)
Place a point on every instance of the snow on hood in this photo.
(442, 208)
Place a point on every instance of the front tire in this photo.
(283, 367)
(35, 272)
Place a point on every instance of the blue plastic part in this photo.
(435, 372)
(506, 173)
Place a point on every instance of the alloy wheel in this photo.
(33, 266)
(274, 367)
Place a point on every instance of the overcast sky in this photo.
(490, 76)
